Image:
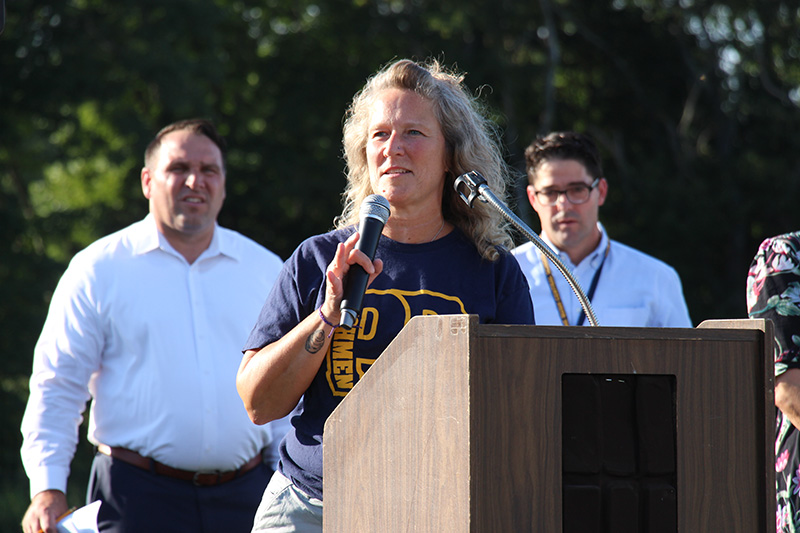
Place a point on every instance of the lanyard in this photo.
(557, 296)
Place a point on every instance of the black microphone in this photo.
(374, 214)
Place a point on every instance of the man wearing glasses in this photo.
(626, 287)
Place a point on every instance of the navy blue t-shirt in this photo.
(443, 277)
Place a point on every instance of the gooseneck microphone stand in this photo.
(476, 184)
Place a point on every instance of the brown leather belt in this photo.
(203, 479)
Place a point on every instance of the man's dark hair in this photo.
(560, 146)
(197, 125)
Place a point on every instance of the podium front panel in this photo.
(458, 427)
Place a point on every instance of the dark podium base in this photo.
(619, 471)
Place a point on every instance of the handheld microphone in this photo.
(374, 214)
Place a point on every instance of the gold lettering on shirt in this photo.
(343, 367)
(368, 323)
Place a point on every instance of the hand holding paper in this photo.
(83, 520)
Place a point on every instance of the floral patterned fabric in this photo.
(773, 292)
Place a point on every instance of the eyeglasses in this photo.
(576, 194)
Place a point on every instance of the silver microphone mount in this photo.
(478, 188)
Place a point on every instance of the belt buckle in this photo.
(196, 478)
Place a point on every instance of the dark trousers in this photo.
(135, 500)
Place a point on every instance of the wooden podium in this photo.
(463, 427)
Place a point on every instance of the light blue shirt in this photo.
(155, 343)
(634, 289)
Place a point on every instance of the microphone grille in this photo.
(375, 206)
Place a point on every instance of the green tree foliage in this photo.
(694, 104)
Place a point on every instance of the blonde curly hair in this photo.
(470, 138)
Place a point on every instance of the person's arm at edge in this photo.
(48, 478)
(787, 395)
(787, 382)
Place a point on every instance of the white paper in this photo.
(83, 520)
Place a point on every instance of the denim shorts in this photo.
(286, 509)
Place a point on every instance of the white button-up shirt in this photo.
(155, 343)
(634, 289)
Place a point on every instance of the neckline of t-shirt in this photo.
(440, 243)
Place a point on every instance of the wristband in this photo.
(333, 326)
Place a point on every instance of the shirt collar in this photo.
(148, 238)
(597, 256)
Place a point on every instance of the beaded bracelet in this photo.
(333, 326)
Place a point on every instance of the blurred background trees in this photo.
(695, 105)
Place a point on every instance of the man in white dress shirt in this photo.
(625, 286)
(148, 324)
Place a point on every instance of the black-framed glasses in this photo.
(576, 194)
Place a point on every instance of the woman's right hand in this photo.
(346, 256)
